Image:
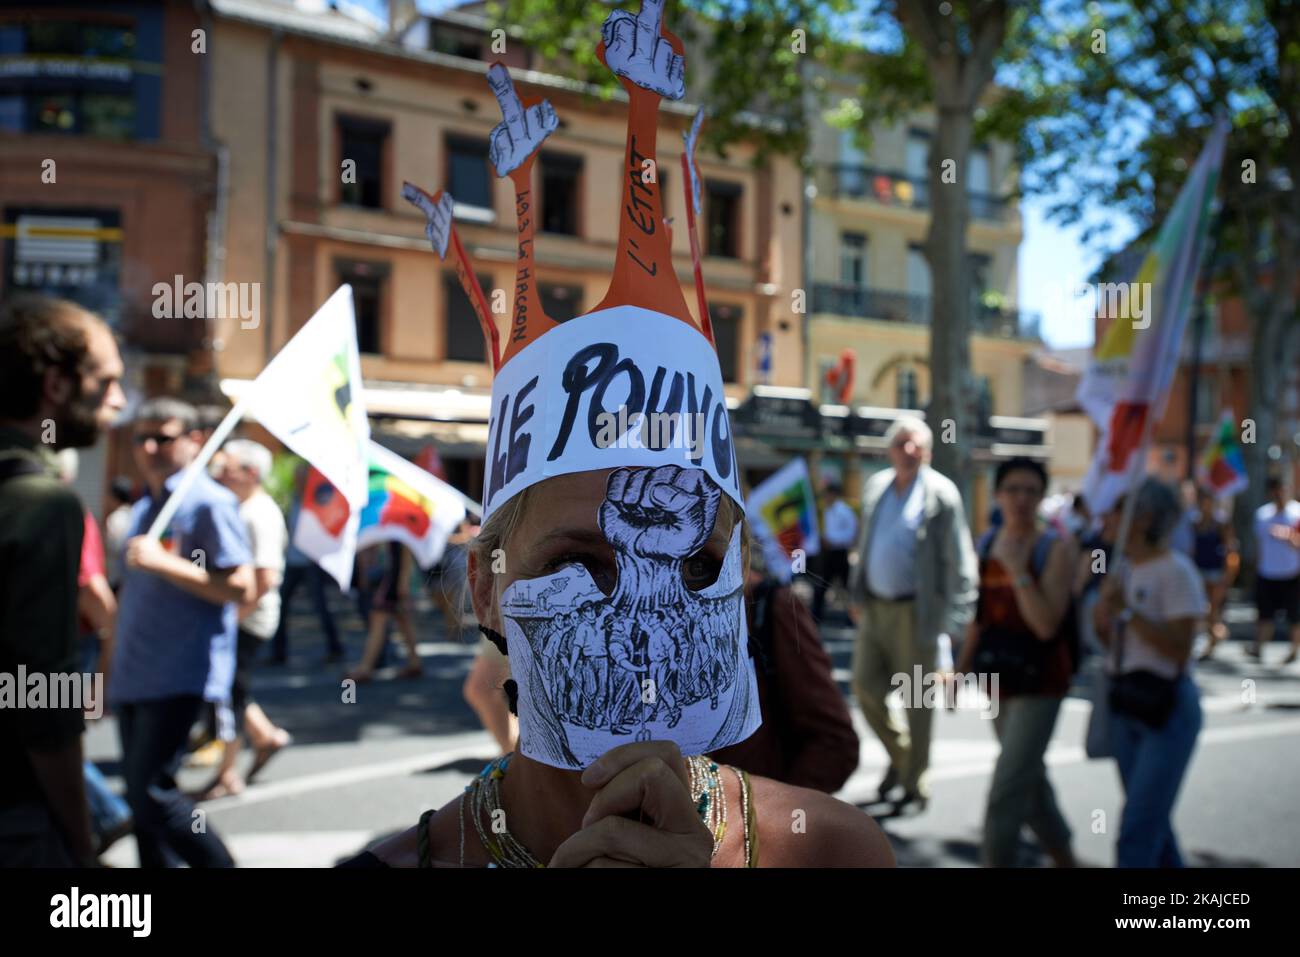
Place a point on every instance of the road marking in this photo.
(476, 745)
(269, 848)
(1211, 704)
(860, 787)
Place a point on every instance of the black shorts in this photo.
(1278, 595)
(240, 694)
(835, 566)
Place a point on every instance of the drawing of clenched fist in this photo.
(521, 130)
(637, 50)
(664, 513)
(438, 211)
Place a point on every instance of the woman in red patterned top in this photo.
(1025, 577)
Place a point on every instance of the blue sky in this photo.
(1051, 261)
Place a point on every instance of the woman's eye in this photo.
(601, 574)
(700, 571)
(571, 558)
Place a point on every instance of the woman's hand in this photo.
(1110, 602)
(649, 782)
(1012, 554)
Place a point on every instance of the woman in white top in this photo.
(1147, 617)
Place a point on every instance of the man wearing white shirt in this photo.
(839, 532)
(916, 581)
(1277, 568)
(245, 466)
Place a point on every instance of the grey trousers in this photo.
(1021, 792)
(887, 645)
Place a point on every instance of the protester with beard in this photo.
(60, 375)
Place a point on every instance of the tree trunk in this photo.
(1272, 355)
(950, 413)
(961, 57)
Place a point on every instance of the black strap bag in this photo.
(1143, 695)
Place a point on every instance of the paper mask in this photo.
(653, 660)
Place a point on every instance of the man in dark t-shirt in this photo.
(59, 387)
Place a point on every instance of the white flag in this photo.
(1127, 383)
(326, 530)
(404, 504)
(309, 397)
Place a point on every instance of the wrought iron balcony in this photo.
(893, 188)
(866, 302)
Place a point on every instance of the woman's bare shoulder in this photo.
(799, 827)
(403, 849)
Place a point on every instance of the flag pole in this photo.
(192, 470)
(1137, 472)
(470, 504)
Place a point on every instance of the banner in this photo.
(404, 504)
(783, 513)
(1222, 469)
(309, 397)
(1125, 387)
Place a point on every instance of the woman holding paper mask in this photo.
(626, 530)
(589, 818)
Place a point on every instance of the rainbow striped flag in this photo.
(1126, 386)
(783, 513)
(408, 505)
(404, 504)
(1222, 469)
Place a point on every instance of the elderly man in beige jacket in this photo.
(916, 579)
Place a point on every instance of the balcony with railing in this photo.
(893, 188)
(987, 316)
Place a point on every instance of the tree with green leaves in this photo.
(1124, 100)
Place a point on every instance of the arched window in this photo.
(908, 392)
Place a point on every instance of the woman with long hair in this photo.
(1147, 617)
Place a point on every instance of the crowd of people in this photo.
(173, 624)
(177, 623)
(1034, 602)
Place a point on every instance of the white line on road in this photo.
(861, 787)
(477, 745)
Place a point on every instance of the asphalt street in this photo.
(358, 771)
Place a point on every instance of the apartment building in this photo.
(106, 180)
(869, 289)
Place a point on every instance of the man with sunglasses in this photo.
(60, 375)
(176, 626)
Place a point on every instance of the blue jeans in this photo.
(107, 810)
(1152, 763)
